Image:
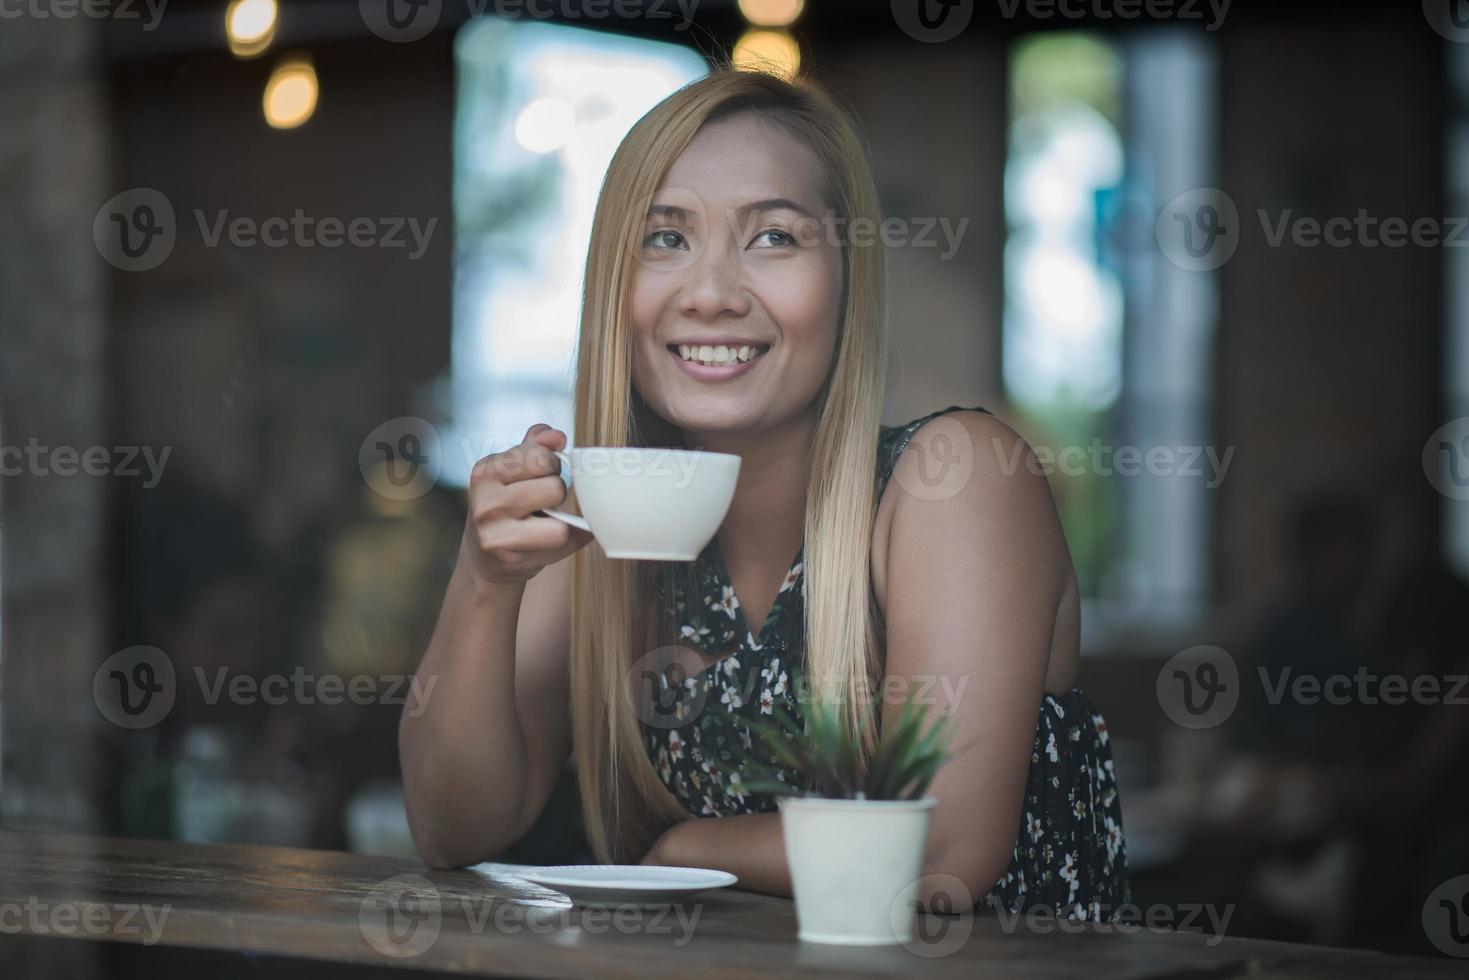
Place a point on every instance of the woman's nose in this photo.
(715, 286)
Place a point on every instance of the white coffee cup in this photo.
(650, 504)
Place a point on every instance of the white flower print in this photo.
(1051, 748)
(729, 665)
(1069, 875)
(791, 576)
(767, 703)
(665, 771)
(689, 633)
(752, 642)
(1114, 838)
(731, 698)
(1033, 824)
(728, 603)
(736, 787)
(675, 746)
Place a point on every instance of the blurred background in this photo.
(274, 274)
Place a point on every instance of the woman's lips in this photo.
(721, 372)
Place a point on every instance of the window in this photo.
(541, 109)
(1107, 343)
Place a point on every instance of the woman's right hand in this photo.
(504, 542)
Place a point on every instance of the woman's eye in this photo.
(665, 238)
(774, 238)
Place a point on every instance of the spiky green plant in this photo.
(826, 755)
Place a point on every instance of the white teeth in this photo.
(712, 356)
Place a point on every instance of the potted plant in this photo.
(855, 837)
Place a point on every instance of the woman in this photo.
(723, 222)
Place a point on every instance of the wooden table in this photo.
(345, 914)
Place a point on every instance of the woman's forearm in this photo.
(462, 750)
(752, 848)
(749, 846)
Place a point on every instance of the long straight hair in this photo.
(625, 805)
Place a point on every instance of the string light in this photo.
(291, 93)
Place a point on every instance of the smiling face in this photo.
(738, 288)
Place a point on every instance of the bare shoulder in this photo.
(966, 481)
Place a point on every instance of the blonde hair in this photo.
(625, 804)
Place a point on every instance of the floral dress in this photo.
(1069, 856)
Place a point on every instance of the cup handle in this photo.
(561, 515)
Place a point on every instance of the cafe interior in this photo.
(1203, 257)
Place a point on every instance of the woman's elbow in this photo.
(957, 877)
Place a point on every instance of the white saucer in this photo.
(611, 885)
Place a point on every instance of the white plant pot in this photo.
(855, 866)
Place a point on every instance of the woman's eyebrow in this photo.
(678, 213)
(777, 204)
